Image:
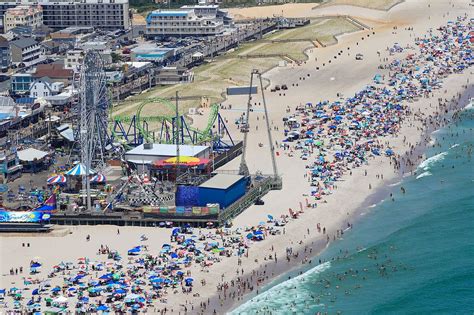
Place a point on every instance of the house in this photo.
(55, 72)
(5, 54)
(50, 47)
(20, 82)
(45, 87)
(25, 52)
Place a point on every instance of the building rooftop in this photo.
(24, 42)
(54, 71)
(31, 154)
(23, 10)
(4, 42)
(168, 150)
(221, 181)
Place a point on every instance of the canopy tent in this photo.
(79, 170)
(56, 180)
(98, 178)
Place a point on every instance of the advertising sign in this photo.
(23, 216)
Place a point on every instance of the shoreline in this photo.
(318, 246)
(345, 201)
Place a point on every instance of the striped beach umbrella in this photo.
(56, 180)
(99, 178)
(79, 170)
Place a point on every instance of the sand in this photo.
(343, 206)
(287, 10)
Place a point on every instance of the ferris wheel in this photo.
(93, 110)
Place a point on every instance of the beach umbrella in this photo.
(56, 180)
(79, 170)
(270, 217)
(35, 265)
(102, 307)
(98, 178)
(60, 299)
(35, 292)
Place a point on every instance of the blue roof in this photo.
(25, 100)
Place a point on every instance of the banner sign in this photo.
(23, 216)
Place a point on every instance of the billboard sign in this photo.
(23, 216)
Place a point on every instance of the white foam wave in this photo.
(454, 145)
(426, 164)
(267, 298)
(470, 105)
(395, 184)
(424, 174)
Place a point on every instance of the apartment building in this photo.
(103, 14)
(22, 15)
(182, 23)
(26, 52)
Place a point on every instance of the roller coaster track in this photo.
(203, 135)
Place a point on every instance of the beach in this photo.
(330, 73)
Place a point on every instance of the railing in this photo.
(256, 192)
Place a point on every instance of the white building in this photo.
(45, 87)
(22, 15)
(181, 23)
(73, 59)
(59, 14)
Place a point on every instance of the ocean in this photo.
(410, 255)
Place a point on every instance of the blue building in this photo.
(20, 83)
(223, 189)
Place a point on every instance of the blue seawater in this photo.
(413, 255)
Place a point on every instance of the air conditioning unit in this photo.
(148, 146)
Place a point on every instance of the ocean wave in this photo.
(454, 145)
(273, 297)
(470, 105)
(424, 174)
(426, 164)
(395, 184)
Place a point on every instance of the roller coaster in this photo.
(134, 130)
